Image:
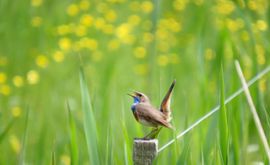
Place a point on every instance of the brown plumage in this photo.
(148, 115)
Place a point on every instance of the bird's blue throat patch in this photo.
(136, 101)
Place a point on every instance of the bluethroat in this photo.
(146, 114)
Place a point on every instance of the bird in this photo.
(146, 114)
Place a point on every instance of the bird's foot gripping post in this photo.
(144, 151)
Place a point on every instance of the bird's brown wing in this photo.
(151, 115)
(165, 106)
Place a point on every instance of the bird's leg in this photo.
(155, 134)
(152, 134)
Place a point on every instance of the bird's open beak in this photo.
(132, 95)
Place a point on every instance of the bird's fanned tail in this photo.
(165, 106)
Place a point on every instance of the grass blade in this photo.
(253, 110)
(73, 138)
(126, 143)
(210, 140)
(6, 129)
(22, 154)
(183, 158)
(90, 128)
(108, 146)
(53, 158)
(223, 123)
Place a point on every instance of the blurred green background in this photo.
(124, 46)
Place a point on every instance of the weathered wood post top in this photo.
(144, 151)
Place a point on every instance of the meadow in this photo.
(66, 68)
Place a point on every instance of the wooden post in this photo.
(144, 151)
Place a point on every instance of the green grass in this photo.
(90, 127)
(73, 138)
(49, 57)
(223, 123)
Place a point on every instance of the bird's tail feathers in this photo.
(166, 103)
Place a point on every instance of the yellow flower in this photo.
(261, 25)
(162, 34)
(42, 61)
(141, 69)
(179, 4)
(102, 7)
(36, 21)
(123, 30)
(259, 6)
(16, 111)
(134, 20)
(3, 61)
(72, 10)
(84, 5)
(140, 52)
(260, 52)
(113, 44)
(252, 5)
(65, 160)
(18, 81)
(234, 25)
(58, 56)
(247, 73)
(262, 85)
(247, 61)
(3, 77)
(36, 3)
(99, 23)
(91, 44)
(225, 7)
(129, 39)
(63, 29)
(173, 25)
(15, 144)
(80, 30)
(147, 6)
(163, 46)
(5, 90)
(64, 43)
(86, 20)
(209, 54)
(110, 16)
(32, 77)
(162, 60)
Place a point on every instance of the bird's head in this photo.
(139, 97)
